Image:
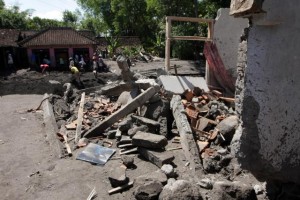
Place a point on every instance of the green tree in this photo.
(70, 18)
(2, 4)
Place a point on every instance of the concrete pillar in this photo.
(52, 57)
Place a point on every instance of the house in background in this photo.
(57, 45)
(9, 45)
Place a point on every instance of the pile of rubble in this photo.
(138, 117)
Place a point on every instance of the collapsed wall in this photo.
(267, 93)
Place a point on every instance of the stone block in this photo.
(159, 158)
(149, 140)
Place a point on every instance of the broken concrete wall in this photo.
(227, 33)
(267, 141)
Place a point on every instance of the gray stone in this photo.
(159, 158)
(131, 132)
(152, 125)
(111, 134)
(180, 190)
(118, 176)
(157, 175)
(228, 126)
(148, 191)
(225, 190)
(160, 112)
(127, 96)
(125, 124)
(205, 183)
(168, 170)
(127, 75)
(258, 189)
(114, 89)
(149, 140)
(128, 161)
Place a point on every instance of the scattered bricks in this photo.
(192, 112)
(149, 140)
(118, 176)
(128, 161)
(131, 132)
(125, 124)
(125, 110)
(153, 126)
(184, 102)
(188, 95)
(202, 145)
(159, 158)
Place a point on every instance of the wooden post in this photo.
(80, 118)
(168, 42)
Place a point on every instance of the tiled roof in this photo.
(88, 34)
(57, 36)
(9, 37)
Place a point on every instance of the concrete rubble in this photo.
(186, 136)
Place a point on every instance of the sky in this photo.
(51, 9)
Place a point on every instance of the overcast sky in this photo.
(51, 9)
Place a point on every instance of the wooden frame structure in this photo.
(169, 20)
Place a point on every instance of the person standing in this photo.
(10, 62)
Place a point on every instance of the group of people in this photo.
(98, 65)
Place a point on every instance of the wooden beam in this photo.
(168, 43)
(195, 38)
(190, 19)
(122, 112)
(80, 118)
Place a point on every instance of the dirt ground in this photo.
(28, 168)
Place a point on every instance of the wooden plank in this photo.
(168, 43)
(125, 110)
(192, 38)
(190, 19)
(80, 118)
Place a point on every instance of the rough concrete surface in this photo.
(227, 32)
(268, 95)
